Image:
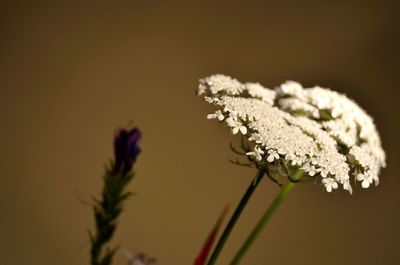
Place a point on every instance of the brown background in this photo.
(71, 73)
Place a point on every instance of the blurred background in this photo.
(71, 73)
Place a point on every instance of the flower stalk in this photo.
(239, 209)
(108, 208)
(267, 216)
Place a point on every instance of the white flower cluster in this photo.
(315, 129)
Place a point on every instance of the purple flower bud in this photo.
(126, 149)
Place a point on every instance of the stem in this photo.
(242, 204)
(106, 212)
(266, 217)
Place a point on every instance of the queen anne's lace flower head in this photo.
(314, 129)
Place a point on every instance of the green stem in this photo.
(266, 217)
(242, 204)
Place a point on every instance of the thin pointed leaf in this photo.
(202, 257)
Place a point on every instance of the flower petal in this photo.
(365, 184)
